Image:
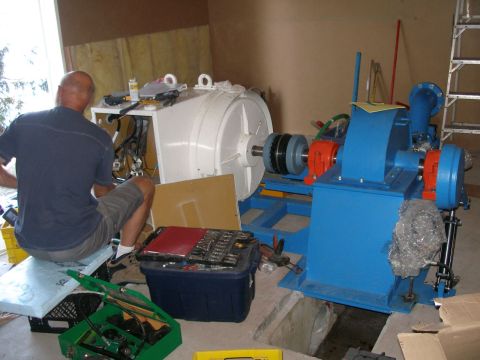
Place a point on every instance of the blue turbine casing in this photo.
(372, 142)
(355, 209)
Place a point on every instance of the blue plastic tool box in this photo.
(204, 292)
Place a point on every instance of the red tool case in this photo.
(199, 289)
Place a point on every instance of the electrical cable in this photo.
(102, 337)
(110, 119)
(124, 148)
(128, 167)
(139, 136)
(89, 322)
(134, 146)
(128, 138)
(117, 178)
(330, 122)
(140, 324)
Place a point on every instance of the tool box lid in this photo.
(124, 298)
(168, 249)
(248, 262)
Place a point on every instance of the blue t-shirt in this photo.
(60, 155)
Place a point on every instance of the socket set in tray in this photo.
(193, 245)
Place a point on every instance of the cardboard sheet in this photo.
(421, 346)
(203, 203)
(461, 342)
(376, 107)
(459, 310)
(456, 338)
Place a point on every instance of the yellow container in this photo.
(254, 354)
(14, 252)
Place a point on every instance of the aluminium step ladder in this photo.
(463, 21)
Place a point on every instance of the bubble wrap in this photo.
(417, 237)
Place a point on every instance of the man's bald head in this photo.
(75, 90)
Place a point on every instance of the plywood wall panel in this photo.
(302, 53)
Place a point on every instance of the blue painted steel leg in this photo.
(289, 185)
(441, 289)
(273, 210)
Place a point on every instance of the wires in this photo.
(80, 304)
(332, 120)
(140, 324)
(130, 153)
(120, 354)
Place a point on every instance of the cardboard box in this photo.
(456, 338)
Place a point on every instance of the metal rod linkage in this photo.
(446, 259)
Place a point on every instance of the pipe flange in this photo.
(435, 89)
(297, 146)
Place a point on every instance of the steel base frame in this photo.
(394, 302)
(273, 210)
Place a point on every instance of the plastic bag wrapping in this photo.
(417, 237)
(423, 146)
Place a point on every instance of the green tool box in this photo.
(128, 326)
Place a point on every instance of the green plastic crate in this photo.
(83, 340)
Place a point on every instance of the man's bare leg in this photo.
(134, 225)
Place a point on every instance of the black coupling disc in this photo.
(279, 153)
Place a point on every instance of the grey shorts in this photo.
(116, 208)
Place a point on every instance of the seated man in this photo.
(60, 156)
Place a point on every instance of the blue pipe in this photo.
(408, 160)
(426, 100)
(356, 76)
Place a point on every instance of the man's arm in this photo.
(6, 179)
(100, 190)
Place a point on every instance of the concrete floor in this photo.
(17, 342)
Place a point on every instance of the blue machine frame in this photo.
(355, 206)
(347, 257)
(273, 209)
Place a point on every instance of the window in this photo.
(30, 52)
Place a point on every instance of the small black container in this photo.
(71, 311)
